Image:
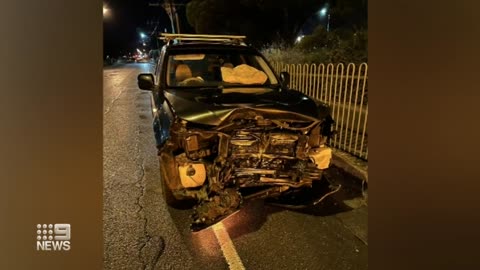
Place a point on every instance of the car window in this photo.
(227, 68)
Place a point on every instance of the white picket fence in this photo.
(344, 89)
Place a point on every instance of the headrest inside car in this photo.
(182, 72)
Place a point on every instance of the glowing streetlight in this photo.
(142, 35)
(105, 11)
(299, 38)
(323, 11)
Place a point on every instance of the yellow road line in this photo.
(228, 249)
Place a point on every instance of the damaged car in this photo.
(229, 130)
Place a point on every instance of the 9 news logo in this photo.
(54, 237)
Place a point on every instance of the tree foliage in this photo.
(350, 14)
(337, 46)
(263, 21)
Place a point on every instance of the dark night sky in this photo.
(120, 35)
(129, 17)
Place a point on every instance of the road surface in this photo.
(141, 232)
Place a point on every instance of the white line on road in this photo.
(228, 249)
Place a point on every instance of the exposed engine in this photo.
(248, 157)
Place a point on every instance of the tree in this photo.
(339, 45)
(262, 21)
(351, 14)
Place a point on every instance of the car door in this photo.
(163, 115)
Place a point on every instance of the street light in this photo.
(299, 38)
(142, 35)
(322, 13)
(106, 11)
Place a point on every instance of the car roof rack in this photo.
(180, 38)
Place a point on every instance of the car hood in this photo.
(211, 107)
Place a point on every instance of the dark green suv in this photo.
(228, 129)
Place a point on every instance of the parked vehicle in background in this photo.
(142, 60)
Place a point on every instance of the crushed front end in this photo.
(253, 154)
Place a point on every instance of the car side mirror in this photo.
(146, 81)
(284, 79)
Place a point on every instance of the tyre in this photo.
(167, 194)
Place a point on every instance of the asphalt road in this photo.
(141, 232)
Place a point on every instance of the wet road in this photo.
(141, 232)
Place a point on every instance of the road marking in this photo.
(228, 249)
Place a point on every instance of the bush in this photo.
(288, 55)
(338, 46)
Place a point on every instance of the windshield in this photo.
(218, 68)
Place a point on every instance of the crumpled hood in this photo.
(212, 108)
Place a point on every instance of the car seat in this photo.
(182, 72)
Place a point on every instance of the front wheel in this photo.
(168, 195)
(166, 191)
